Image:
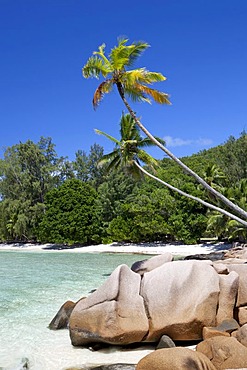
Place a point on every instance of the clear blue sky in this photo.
(200, 45)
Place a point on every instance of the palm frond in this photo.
(136, 95)
(146, 142)
(122, 41)
(125, 55)
(111, 161)
(236, 229)
(217, 223)
(143, 76)
(95, 67)
(135, 50)
(119, 55)
(234, 224)
(133, 76)
(128, 128)
(158, 96)
(107, 158)
(163, 142)
(147, 159)
(114, 164)
(101, 53)
(152, 77)
(104, 88)
(99, 132)
(134, 171)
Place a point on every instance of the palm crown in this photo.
(129, 149)
(134, 82)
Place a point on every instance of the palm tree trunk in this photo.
(209, 205)
(220, 196)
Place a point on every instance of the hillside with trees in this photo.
(47, 198)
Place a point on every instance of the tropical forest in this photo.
(125, 195)
(49, 199)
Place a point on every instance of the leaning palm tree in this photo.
(129, 154)
(128, 151)
(135, 84)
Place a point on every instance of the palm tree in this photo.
(129, 154)
(128, 150)
(135, 84)
(221, 225)
(214, 176)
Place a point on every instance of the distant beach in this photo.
(140, 248)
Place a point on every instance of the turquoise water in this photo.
(33, 286)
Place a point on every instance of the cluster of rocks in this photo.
(188, 300)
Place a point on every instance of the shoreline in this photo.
(132, 248)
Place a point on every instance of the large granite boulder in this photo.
(177, 299)
(224, 353)
(237, 251)
(225, 328)
(141, 267)
(242, 315)
(241, 335)
(114, 313)
(61, 319)
(181, 297)
(241, 270)
(227, 298)
(220, 268)
(178, 358)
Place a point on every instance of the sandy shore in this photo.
(142, 248)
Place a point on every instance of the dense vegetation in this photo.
(48, 198)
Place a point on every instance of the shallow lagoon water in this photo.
(33, 286)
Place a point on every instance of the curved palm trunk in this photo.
(209, 205)
(220, 196)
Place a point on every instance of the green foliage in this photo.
(111, 196)
(28, 171)
(233, 158)
(86, 166)
(119, 229)
(40, 199)
(220, 225)
(230, 158)
(129, 149)
(143, 216)
(70, 217)
(189, 221)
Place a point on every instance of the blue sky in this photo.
(199, 45)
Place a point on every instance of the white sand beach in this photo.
(141, 248)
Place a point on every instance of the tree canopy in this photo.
(44, 198)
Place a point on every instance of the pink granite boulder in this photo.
(181, 297)
(113, 314)
(178, 358)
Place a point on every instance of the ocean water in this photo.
(33, 286)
